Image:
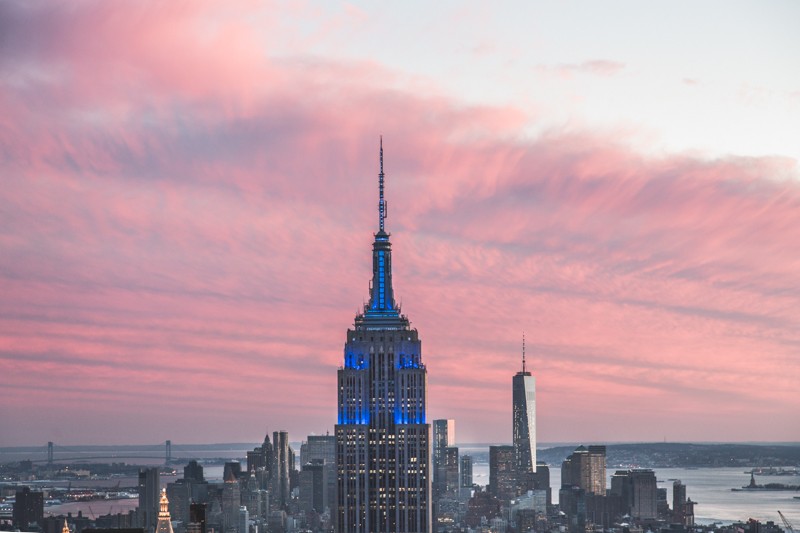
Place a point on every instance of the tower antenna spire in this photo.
(523, 352)
(381, 202)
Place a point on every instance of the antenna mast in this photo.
(523, 352)
(381, 202)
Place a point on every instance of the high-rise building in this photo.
(502, 473)
(444, 435)
(164, 523)
(466, 471)
(322, 448)
(313, 486)
(193, 471)
(28, 508)
(682, 509)
(282, 465)
(231, 498)
(449, 470)
(541, 480)
(149, 493)
(644, 491)
(179, 495)
(382, 435)
(586, 468)
(638, 491)
(197, 518)
(524, 423)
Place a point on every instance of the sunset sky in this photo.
(189, 193)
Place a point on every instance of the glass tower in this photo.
(382, 436)
(524, 423)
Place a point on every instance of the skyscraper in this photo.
(382, 437)
(28, 508)
(444, 435)
(282, 465)
(586, 469)
(524, 423)
(502, 473)
(149, 492)
(466, 471)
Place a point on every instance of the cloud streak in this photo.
(185, 230)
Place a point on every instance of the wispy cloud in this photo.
(185, 221)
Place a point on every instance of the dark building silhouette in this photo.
(682, 508)
(149, 497)
(382, 435)
(322, 448)
(179, 495)
(450, 470)
(502, 473)
(638, 492)
(466, 471)
(193, 471)
(313, 486)
(481, 506)
(603, 510)
(572, 502)
(28, 508)
(540, 480)
(197, 518)
(232, 469)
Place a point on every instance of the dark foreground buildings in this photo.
(382, 436)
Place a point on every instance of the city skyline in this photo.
(187, 187)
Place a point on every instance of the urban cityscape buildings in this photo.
(382, 435)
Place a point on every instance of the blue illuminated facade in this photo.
(382, 435)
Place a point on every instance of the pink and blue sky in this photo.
(189, 195)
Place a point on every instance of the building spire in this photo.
(523, 352)
(381, 201)
(381, 300)
(164, 521)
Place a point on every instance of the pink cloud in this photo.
(186, 222)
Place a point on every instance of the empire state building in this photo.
(382, 437)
